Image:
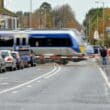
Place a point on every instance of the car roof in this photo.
(14, 52)
(5, 50)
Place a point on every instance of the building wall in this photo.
(1, 3)
(8, 22)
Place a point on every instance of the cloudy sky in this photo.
(80, 7)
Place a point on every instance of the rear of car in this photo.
(19, 61)
(8, 58)
(27, 56)
(2, 64)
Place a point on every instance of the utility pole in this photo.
(45, 17)
(30, 15)
(89, 27)
(97, 2)
(103, 24)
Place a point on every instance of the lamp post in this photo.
(89, 27)
(30, 15)
(45, 17)
(103, 24)
(97, 14)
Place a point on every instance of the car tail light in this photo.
(9, 59)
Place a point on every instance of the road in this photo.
(76, 86)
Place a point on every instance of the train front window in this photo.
(17, 41)
(6, 40)
(24, 41)
(50, 42)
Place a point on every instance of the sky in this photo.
(79, 7)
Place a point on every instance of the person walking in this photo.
(103, 53)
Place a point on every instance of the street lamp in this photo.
(97, 14)
(103, 24)
(30, 15)
(44, 11)
(89, 26)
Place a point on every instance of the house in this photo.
(8, 19)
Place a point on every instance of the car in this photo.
(27, 56)
(19, 62)
(2, 65)
(89, 50)
(9, 60)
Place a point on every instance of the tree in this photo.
(45, 10)
(46, 17)
(91, 24)
(65, 17)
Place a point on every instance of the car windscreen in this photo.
(51, 42)
(6, 40)
(24, 52)
(4, 54)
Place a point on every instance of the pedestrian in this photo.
(103, 54)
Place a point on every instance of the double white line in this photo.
(104, 76)
(46, 75)
(54, 72)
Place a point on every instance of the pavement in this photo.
(106, 68)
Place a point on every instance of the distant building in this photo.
(8, 19)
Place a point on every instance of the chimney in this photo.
(1, 3)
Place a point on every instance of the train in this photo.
(59, 45)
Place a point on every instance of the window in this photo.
(17, 41)
(24, 41)
(50, 42)
(4, 54)
(6, 40)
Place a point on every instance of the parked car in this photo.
(26, 60)
(8, 58)
(19, 62)
(27, 56)
(2, 64)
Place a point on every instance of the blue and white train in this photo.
(65, 42)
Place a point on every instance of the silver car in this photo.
(19, 62)
(9, 60)
(2, 65)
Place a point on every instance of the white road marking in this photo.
(14, 92)
(38, 81)
(5, 83)
(106, 90)
(53, 73)
(2, 78)
(104, 76)
(28, 82)
(29, 86)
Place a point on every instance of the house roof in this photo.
(4, 11)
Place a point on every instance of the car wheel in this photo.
(11, 68)
(0, 70)
(4, 70)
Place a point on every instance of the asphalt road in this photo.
(76, 86)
